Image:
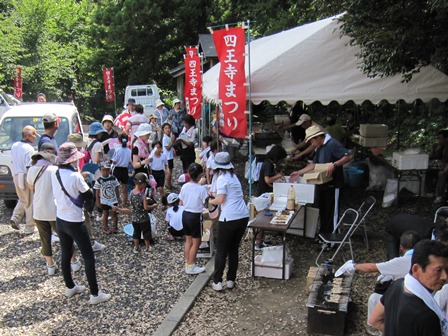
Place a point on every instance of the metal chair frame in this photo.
(349, 218)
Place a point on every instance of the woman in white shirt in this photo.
(232, 221)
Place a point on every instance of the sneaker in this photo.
(76, 266)
(217, 286)
(34, 230)
(97, 246)
(51, 270)
(260, 246)
(69, 292)
(230, 284)
(14, 225)
(193, 269)
(99, 218)
(438, 200)
(148, 249)
(55, 239)
(101, 297)
(136, 250)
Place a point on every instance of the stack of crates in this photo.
(373, 135)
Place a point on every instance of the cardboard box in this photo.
(372, 142)
(272, 270)
(403, 161)
(310, 278)
(318, 175)
(373, 130)
(206, 247)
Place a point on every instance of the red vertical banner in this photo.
(230, 47)
(18, 83)
(193, 83)
(109, 85)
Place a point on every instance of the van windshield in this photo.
(11, 130)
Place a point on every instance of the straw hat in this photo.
(312, 132)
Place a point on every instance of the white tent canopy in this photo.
(313, 63)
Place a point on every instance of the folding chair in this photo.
(363, 211)
(342, 234)
(441, 214)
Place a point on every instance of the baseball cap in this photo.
(304, 117)
(50, 117)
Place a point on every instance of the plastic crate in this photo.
(403, 161)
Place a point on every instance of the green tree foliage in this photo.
(395, 36)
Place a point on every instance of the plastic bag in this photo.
(153, 221)
(378, 176)
(262, 202)
(274, 254)
(390, 192)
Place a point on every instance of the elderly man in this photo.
(390, 270)
(21, 152)
(408, 307)
(328, 150)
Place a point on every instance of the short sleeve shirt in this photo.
(106, 186)
(169, 153)
(175, 218)
(193, 197)
(267, 169)
(234, 206)
(74, 184)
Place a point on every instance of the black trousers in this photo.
(326, 202)
(229, 238)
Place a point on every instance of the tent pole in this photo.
(250, 109)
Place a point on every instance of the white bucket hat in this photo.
(143, 129)
(222, 161)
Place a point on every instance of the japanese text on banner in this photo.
(193, 83)
(109, 85)
(18, 83)
(230, 47)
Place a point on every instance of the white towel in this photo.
(421, 292)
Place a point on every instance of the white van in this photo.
(11, 125)
(6, 102)
(145, 94)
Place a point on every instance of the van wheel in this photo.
(10, 204)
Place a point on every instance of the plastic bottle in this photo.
(291, 202)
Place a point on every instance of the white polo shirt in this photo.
(193, 196)
(234, 206)
(21, 153)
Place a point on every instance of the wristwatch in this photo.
(335, 164)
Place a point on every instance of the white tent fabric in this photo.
(313, 63)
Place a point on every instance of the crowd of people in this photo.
(125, 167)
(131, 172)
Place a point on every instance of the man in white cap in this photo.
(328, 150)
(108, 124)
(51, 125)
(21, 152)
(305, 122)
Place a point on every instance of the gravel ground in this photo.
(145, 288)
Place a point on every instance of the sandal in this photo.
(114, 230)
(107, 230)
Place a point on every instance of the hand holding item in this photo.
(330, 170)
(294, 176)
(347, 267)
